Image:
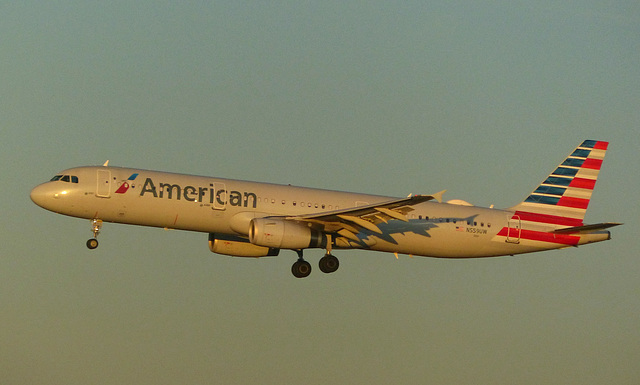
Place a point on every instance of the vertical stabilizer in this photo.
(563, 198)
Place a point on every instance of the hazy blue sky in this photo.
(481, 98)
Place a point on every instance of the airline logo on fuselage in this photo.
(124, 187)
(207, 194)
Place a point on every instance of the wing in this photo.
(349, 222)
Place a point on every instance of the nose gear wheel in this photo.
(96, 225)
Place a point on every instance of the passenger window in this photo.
(74, 179)
(65, 178)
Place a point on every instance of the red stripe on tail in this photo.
(577, 203)
(588, 184)
(601, 145)
(593, 164)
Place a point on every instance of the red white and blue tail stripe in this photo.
(566, 193)
(561, 201)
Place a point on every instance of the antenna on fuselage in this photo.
(106, 163)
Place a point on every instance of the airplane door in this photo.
(514, 229)
(220, 198)
(103, 189)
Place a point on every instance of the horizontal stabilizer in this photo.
(586, 228)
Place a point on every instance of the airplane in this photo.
(254, 219)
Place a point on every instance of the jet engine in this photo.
(283, 234)
(238, 247)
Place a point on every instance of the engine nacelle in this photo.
(238, 247)
(282, 234)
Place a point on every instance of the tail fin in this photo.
(563, 197)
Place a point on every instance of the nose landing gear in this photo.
(96, 225)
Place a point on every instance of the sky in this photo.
(482, 98)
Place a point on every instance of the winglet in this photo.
(438, 196)
(106, 163)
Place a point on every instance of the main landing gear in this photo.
(301, 268)
(96, 225)
(327, 264)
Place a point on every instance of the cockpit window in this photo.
(65, 178)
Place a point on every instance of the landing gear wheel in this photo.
(92, 243)
(301, 269)
(329, 264)
(96, 225)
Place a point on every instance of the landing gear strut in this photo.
(329, 263)
(96, 225)
(301, 268)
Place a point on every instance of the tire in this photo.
(329, 264)
(92, 243)
(301, 269)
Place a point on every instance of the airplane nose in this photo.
(39, 195)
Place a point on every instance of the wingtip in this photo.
(438, 196)
(106, 163)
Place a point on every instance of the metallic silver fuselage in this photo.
(196, 203)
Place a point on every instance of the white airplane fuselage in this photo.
(252, 219)
(225, 206)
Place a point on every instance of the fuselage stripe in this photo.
(562, 239)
